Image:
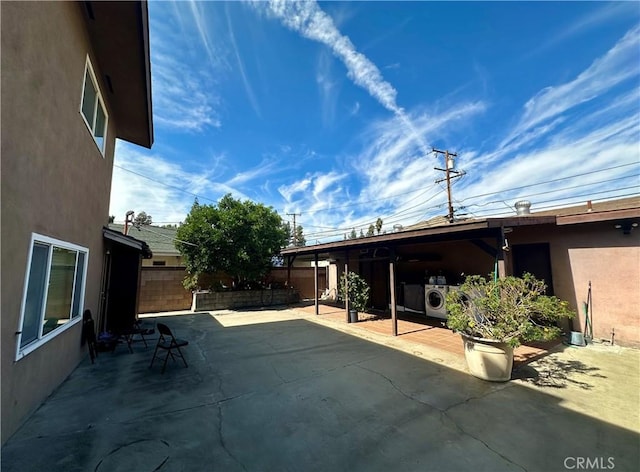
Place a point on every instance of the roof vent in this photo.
(523, 207)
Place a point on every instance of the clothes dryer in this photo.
(435, 301)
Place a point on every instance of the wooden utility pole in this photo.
(448, 170)
(295, 228)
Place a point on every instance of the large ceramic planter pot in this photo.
(488, 359)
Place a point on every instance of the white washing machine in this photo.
(435, 301)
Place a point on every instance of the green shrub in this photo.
(358, 291)
(511, 310)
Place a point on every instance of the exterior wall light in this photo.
(626, 226)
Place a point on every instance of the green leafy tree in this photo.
(300, 239)
(240, 238)
(371, 230)
(378, 225)
(142, 219)
(112, 218)
(353, 234)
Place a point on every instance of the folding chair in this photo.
(169, 343)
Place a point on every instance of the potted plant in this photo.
(358, 291)
(494, 316)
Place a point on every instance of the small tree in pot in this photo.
(494, 316)
(358, 291)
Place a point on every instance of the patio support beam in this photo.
(315, 281)
(346, 285)
(290, 260)
(500, 265)
(392, 286)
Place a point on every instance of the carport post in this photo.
(392, 286)
(346, 286)
(315, 280)
(502, 272)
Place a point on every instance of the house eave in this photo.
(128, 241)
(462, 229)
(119, 34)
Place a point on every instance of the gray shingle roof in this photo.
(160, 240)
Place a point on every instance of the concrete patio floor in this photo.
(280, 389)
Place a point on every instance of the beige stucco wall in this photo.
(55, 182)
(599, 253)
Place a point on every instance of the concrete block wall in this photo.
(243, 299)
(161, 289)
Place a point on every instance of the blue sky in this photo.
(330, 110)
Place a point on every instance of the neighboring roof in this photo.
(596, 207)
(160, 240)
(119, 33)
(629, 203)
(439, 227)
(129, 241)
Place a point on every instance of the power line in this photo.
(550, 181)
(331, 208)
(199, 197)
(560, 190)
(406, 214)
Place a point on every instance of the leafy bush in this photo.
(358, 291)
(511, 310)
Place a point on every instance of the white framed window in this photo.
(53, 298)
(92, 107)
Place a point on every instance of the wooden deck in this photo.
(422, 330)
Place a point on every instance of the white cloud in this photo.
(390, 174)
(556, 155)
(311, 22)
(160, 197)
(183, 96)
(327, 88)
(245, 81)
(264, 168)
(199, 20)
(288, 191)
(620, 63)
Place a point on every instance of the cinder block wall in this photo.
(243, 299)
(161, 288)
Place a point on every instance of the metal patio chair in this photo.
(169, 343)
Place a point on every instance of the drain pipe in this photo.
(613, 334)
